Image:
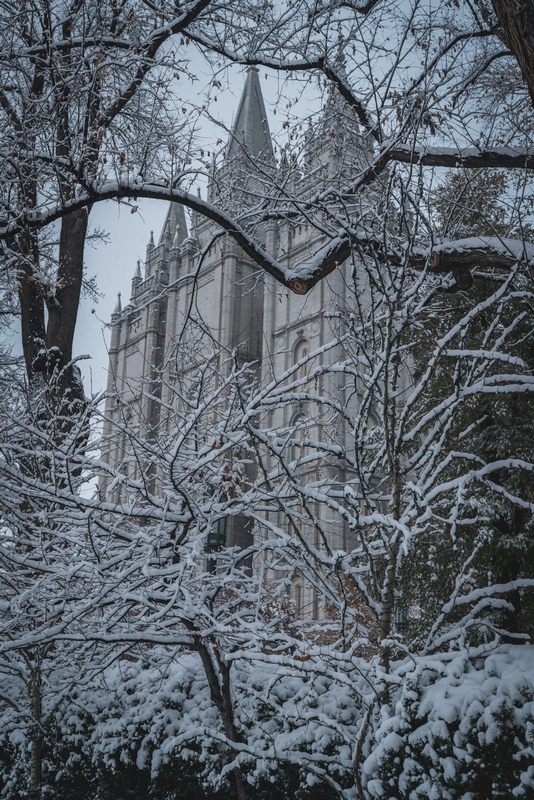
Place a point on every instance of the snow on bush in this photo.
(458, 728)
(149, 716)
(461, 730)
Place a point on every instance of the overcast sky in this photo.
(114, 264)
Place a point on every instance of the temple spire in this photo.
(174, 221)
(250, 131)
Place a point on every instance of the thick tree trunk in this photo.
(32, 307)
(63, 308)
(517, 20)
(48, 347)
(56, 390)
(63, 313)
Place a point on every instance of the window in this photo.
(215, 542)
(297, 450)
(298, 594)
(400, 619)
(301, 351)
(216, 539)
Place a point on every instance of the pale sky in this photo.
(114, 263)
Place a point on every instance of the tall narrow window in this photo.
(299, 597)
(215, 542)
(301, 351)
(296, 450)
(216, 539)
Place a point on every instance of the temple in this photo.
(244, 310)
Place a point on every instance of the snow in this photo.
(516, 248)
(444, 720)
(461, 707)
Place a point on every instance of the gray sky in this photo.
(114, 264)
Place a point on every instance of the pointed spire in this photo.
(151, 242)
(137, 279)
(175, 219)
(195, 218)
(250, 131)
(211, 178)
(340, 62)
(118, 306)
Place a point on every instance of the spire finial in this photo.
(151, 242)
(118, 306)
(138, 276)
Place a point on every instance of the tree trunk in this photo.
(63, 308)
(222, 697)
(517, 20)
(36, 733)
(63, 378)
(48, 347)
(31, 308)
(56, 390)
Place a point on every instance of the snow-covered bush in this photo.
(460, 730)
(160, 718)
(150, 730)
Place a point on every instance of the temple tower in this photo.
(195, 274)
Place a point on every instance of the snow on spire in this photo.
(195, 218)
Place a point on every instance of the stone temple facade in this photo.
(243, 308)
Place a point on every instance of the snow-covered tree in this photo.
(412, 458)
(86, 118)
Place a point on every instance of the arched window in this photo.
(300, 352)
(297, 450)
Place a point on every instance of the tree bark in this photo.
(63, 311)
(36, 735)
(517, 20)
(31, 306)
(222, 697)
(47, 346)
(63, 307)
